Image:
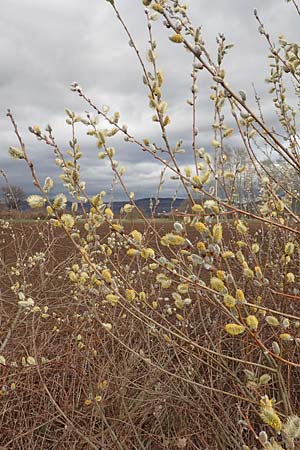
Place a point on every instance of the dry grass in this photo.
(155, 394)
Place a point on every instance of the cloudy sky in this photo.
(45, 45)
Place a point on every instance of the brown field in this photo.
(137, 389)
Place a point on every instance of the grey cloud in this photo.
(46, 45)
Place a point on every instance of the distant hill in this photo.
(164, 205)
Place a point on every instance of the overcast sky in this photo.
(45, 45)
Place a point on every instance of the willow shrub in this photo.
(189, 333)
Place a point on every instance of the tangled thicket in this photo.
(146, 335)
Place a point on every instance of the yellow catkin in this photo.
(229, 132)
(273, 321)
(258, 272)
(197, 209)
(73, 277)
(234, 329)
(285, 337)
(229, 301)
(183, 288)
(201, 246)
(109, 214)
(158, 8)
(240, 295)
(67, 220)
(132, 252)
(248, 273)
(201, 227)
(252, 322)
(227, 254)
(106, 275)
(268, 414)
(137, 236)
(221, 274)
(112, 299)
(217, 284)
(290, 277)
(241, 227)
(177, 38)
(172, 240)
(289, 249)
(35, 201)
(147, 253)
(188, 172)
(117, 227)
(130, 294)
(142, 296)
(217, 232)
